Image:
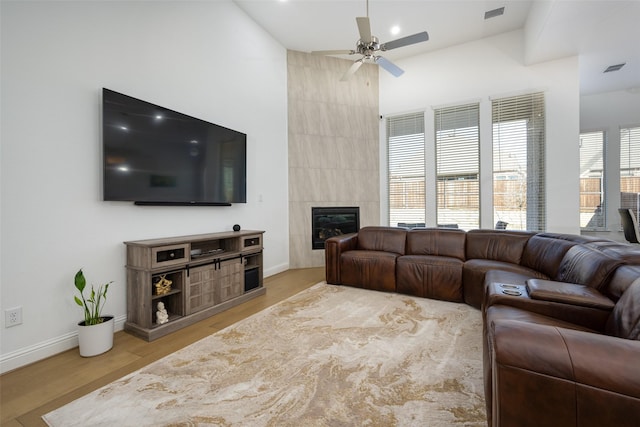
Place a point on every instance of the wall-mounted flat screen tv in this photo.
(154, 155)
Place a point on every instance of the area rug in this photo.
(328, 356)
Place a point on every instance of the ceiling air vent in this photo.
(493, 13)
(616, 67)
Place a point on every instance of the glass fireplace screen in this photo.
(333, 221)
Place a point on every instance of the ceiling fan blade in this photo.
(351, 71)
(333, 52)
(389, 66)
(364, 27)
(405, 41)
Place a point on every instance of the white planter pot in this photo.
(96, 339)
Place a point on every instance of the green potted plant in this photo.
(95, 332)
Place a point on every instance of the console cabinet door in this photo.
(214, 284)
(201, 288)
(230, 278)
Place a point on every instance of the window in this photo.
(630, 169)
(458, 166)
(592, 195)
(405, 142)
(518, 162)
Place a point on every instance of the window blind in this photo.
(630, 169)
(518, 161)
(406, 160)
(457, 165)
(592, 186)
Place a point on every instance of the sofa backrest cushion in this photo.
(447, 242)
(627, 253)
(497, 245)
(624, 321)
(587, 266)
(545, 253)
(575, 238)
(621, 279)
(386, 239)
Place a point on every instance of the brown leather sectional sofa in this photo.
(561, 313)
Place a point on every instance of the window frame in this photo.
(623, 202)
(415, 148)
(604, 203)
(515, 112)
(460, 117)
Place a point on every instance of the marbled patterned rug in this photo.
(328, 356)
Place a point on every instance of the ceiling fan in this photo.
(368, 45)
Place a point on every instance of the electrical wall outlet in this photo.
(12, 317)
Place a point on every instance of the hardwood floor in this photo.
(30, 392)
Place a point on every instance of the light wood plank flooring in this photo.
(30, 392)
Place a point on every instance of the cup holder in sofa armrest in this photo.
(567, 293)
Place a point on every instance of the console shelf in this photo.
(199, 275)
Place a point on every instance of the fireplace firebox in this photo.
(333, 221)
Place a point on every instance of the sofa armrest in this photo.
(568, 293)
(545, 375)
(592, 317)
(333, 249)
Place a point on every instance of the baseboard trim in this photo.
(276, 269)
(34, 353)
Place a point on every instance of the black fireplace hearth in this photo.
(333, 221)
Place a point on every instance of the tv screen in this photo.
(153, 155)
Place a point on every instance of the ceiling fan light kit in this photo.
(368, 45)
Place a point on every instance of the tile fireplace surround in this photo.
(334, 146)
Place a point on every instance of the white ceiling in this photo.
(601, 32)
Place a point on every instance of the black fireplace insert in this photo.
(333, 221)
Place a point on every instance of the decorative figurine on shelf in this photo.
(163, 286)
(161, 315)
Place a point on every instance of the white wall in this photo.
(609, 112)
(492, 68)
(205, 59)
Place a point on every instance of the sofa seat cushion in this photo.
(369, 269)
(474, 270)
(436, 277)
(505, 312)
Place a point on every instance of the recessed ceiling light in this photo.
(395, 30)
(493, 13)
(616, 67)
